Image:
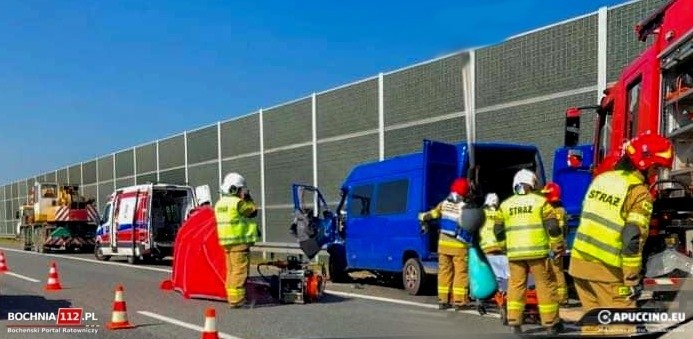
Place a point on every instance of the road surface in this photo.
(90, 284)
(347, 310)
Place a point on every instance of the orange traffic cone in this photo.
(3, 264)
(119, 318)
(53, 283)
(210, 330)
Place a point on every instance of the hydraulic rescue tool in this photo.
(298, 282)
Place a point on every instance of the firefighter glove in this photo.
(636, 291)
(424, 216)
(424, 227)
(553, 255)
(631, 292)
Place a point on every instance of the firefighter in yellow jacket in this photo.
(553, 194)
(237, 232)
(530, 229)
(606, 256)
(493, 248)
(453, 273)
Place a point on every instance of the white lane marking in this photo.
(63, 256)
(403, 302)
(182, 324)
(22, 277)
(338, 293)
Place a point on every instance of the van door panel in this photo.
(360, 225)
(442, 164)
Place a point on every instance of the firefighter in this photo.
(553, 195)
(453, 242)
(528, 224)
(606, 256)
(493, 249)
(237, 231)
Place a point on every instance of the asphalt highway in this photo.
(346, 310)
(367, 308)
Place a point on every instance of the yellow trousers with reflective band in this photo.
(453, 273)
(597, 294)
(237, 268)
(559, 280)
(517, 287)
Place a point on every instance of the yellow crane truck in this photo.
(56, 217)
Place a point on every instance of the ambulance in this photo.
(141, 222)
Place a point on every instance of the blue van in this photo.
(375, 226)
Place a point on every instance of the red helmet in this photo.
(648, 149)
(552, 192)
(460, 186)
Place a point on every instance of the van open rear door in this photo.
(441, 163)
(441, 166)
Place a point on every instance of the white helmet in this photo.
(203, 194)
(232, 180)
(491, 200)
(525, 176)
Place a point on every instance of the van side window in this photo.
(392, 197)
(360, 201)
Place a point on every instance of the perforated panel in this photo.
(336, 159)
(62, 176)
(22, 188)
(89, 172)
(240, 136)
(146, 158)
(288, 124)
(105, 189)
(122, 183)
(202, 145)
(622, 42)
(348, 110)
(278, 222)
(175, 177)
(171, 152)
(556, 59)
(425, 91)
(125, 164)
(541, 124)
(75, 174)
(284, 169)
(249, 168)
(410, 139)
(207, 174)
(89, 191)
(146, 178)
(106, 168)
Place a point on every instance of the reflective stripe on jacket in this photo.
(525, 235)
(488, 241)
(232, 227)
(603, 219)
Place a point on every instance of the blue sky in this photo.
(82, 78)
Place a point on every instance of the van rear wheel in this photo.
(413, 276)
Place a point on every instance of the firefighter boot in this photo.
(516, 329)
(443, 306)
(555, 329)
